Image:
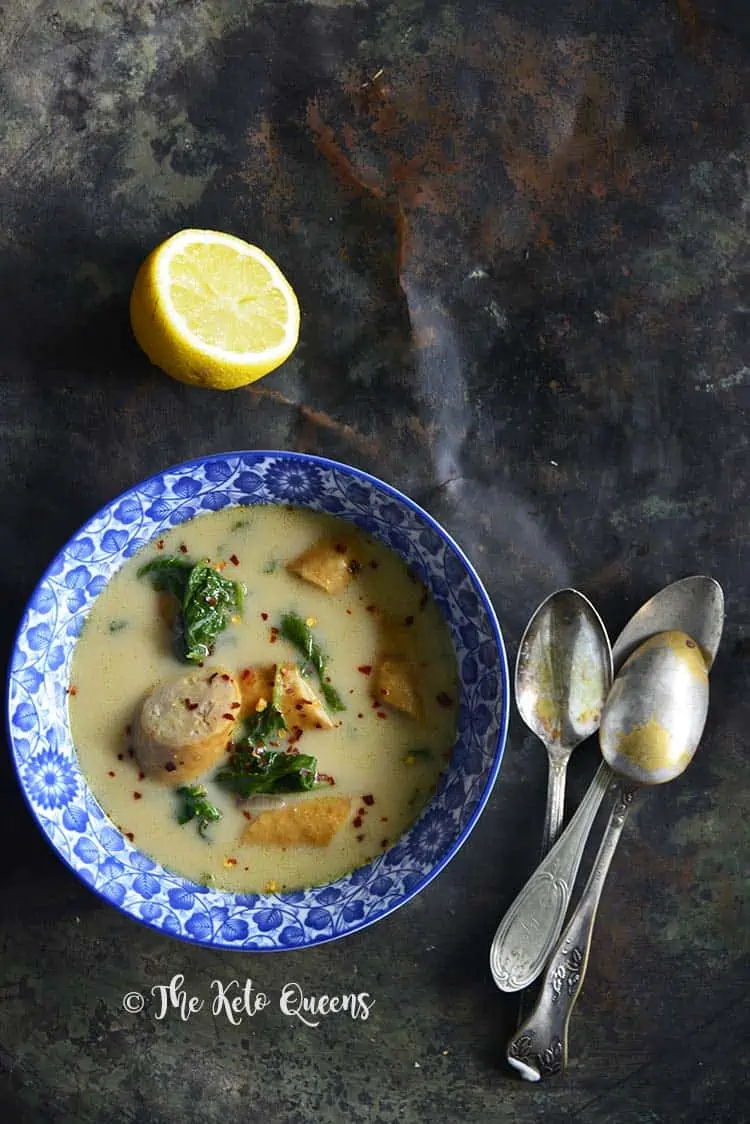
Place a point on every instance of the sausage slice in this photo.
(183, 726)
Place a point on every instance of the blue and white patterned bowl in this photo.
(73, 820)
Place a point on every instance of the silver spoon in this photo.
(694, 605)
(529, 930)
(563, 675)
(651, 726)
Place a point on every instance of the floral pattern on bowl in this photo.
(74, 822)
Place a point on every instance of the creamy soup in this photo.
(382, 761)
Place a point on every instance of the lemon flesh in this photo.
(213, 311)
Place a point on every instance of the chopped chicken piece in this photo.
(311, 823)
(329, 564)
(256, 688)
(299, 704)
(395, 683)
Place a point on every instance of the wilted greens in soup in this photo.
(264, 698)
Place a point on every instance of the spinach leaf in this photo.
(206, 599)
(196, 806)
(254, 771)
(265, 725)
(294, 629)
(168, 574)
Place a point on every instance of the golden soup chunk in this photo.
(299, 704)
(395, 680)
(256, 688)
(329, 563)
(311, 823)
(184, 725)
(395, 683)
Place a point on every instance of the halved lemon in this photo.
(212, 310)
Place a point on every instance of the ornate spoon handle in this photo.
(539, 1048)
(527, 933)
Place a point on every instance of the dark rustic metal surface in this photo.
(519, 234)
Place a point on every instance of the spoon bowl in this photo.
(563, 675)
(694, 605)
(656, 710)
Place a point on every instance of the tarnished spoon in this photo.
(693, 605)
(563, 675)
(531, 926)
(651, 726)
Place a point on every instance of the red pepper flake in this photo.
(365, 668)
(246, 814)
(360, 811)
(120, 756)
(383, 842)
(72, 690)
(354, 567)
(234, 560)
(360, 716)
(360, 838)
(137, 795)
(326, 777)
(264, 616)
(340, 548)
(229, 716)
(128, 729)
(226, 677)
(160, 544)
(409, 621)
(318, 726)
(357, 821)
(211, 601)
(111, 774)
(230, 862)
(190, 705)
(382, 714)
(371, 608)
(234, 706)
(369, 799)
(444, 699)
(246, 674)
(183, 548)
(384, 819)
(129, 835)
(375, 704)
(349, 612)
(141, 775)
(170, 766)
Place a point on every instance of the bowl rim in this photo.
(325, 463)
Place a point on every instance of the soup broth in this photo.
(383, 760)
